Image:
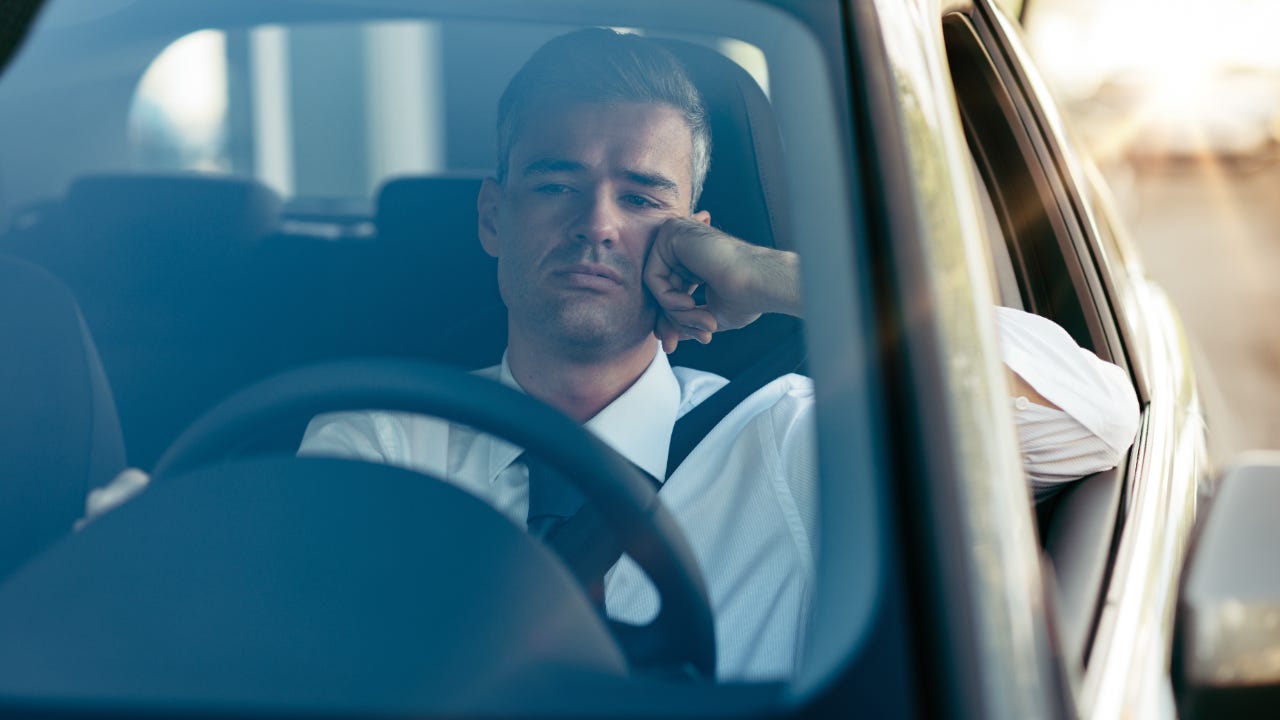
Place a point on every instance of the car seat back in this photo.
(59, 434)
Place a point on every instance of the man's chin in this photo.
(592, 343)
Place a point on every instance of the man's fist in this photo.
(742, 281)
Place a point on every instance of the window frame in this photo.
(1062, 278)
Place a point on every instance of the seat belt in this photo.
(584, 541)
(695, 425)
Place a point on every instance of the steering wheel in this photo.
(625, 499)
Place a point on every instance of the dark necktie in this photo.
(553, 501)
(552, 498)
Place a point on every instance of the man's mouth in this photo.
(590, 275)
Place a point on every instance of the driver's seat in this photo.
(744, 192)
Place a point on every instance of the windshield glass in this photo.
(235, 190)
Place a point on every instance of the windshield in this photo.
(235, 190)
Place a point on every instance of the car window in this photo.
(1004, 278)
(236, 192)
(1078, 526)
(245, 101)
(1031, 217)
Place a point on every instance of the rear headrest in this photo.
(744, 191)
(213, 208)
(429, 249)
(439, 209)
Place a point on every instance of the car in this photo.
(225, 218)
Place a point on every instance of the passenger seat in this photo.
(163, 267)
(59, 434)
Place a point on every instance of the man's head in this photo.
(601, 139)
(601, 66)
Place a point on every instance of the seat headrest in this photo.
(441, 208)
(429, 249)
(215, 208)
(744, 190)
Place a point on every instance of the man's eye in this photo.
(553, 189)
(639, 201)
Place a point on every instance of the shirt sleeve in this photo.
(1099, 408)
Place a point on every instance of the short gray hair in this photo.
(603, 66)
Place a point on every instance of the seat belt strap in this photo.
(695, 425)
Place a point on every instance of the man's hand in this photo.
(742, 281)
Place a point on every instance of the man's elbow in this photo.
(1120, 425)
(1061, 451)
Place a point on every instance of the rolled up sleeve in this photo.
(1099, 408)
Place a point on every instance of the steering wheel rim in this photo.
(625, 499)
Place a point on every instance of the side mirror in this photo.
(1226, 660)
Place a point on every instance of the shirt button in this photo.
(1021, 403)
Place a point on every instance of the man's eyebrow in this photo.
(657, 181)
(551, 165)
(654, 180)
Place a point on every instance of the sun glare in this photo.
(181, 102)
(1163, 75)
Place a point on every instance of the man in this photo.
(602, 151)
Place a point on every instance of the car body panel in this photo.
(998, 591)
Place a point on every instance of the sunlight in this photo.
(1169, 83)
(181, 103)
(1178, 77)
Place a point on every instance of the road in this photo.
(1209, 233)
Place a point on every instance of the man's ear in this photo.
(702, 216)
(487, 206)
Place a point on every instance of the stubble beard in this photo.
(580, 326)
(583, 331)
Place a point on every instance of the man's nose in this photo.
(599, 220)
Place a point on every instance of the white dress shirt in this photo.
(747, 496)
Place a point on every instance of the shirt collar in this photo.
(637, 424)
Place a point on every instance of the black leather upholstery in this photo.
(59, 435)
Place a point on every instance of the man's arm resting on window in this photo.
(1088, 413)
(1076, 413)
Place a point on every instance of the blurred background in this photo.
(1179, 104)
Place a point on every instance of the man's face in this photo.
(587, 186)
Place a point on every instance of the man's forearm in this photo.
(776, 279)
